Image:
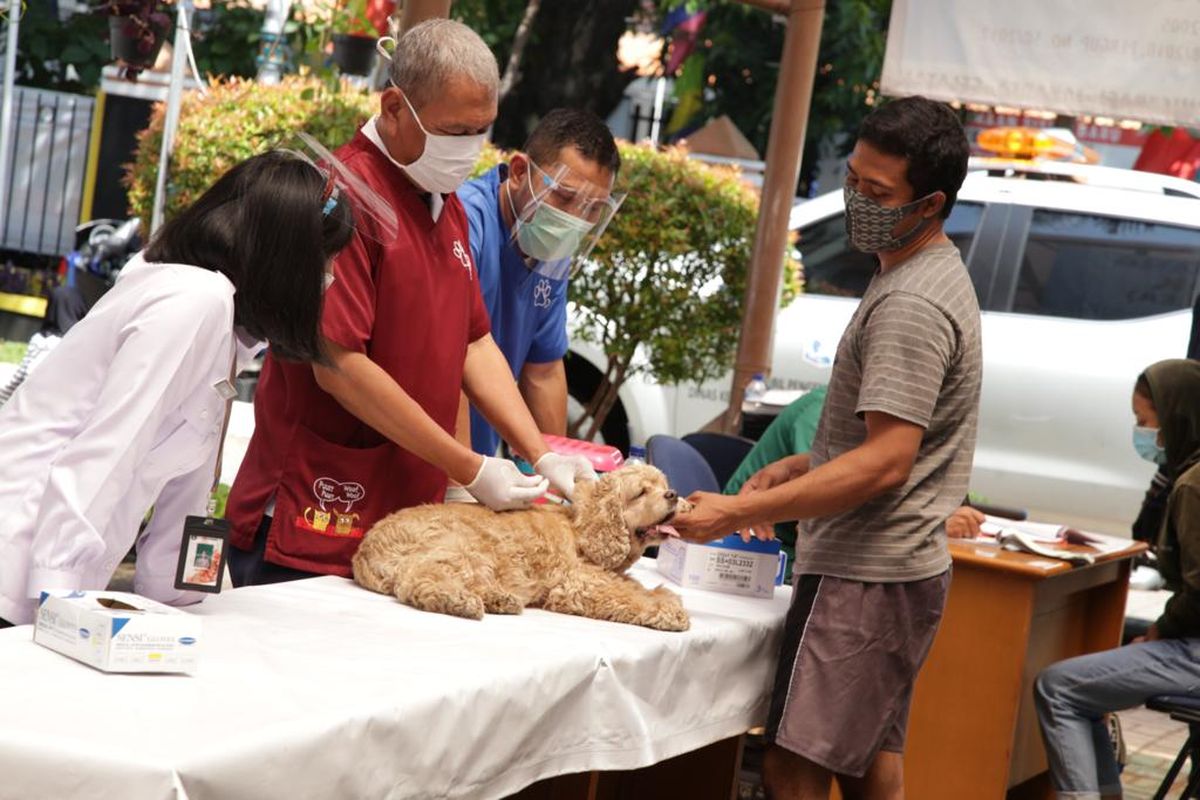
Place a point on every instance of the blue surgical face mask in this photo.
(1145, 441)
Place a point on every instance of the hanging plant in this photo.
(353, 37)
(136, 31)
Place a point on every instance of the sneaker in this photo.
(1146, 579)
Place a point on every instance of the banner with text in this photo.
(1113, 58)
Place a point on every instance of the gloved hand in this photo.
(500, 486)
(562, 472)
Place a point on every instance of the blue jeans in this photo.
(1073, 696)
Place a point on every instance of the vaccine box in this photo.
(728, 565)
(118, 631)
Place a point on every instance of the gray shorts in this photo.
(851, 654)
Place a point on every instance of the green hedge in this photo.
(236, 120)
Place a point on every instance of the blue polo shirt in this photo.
(528, 311)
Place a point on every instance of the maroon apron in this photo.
(412, 306)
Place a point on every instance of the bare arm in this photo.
(489, 385)
(880, 464)
(462, 429)
(544, 387)
(369, 393)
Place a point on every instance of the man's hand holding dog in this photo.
(718, 515)
(563, 471)
(714, 516)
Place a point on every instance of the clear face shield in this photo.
(563, 217)
(373, 216)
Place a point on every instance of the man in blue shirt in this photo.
(529, 220)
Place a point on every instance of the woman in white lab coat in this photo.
(128, 411)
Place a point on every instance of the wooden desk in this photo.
(973, 730)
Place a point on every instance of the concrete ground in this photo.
(1152, 741)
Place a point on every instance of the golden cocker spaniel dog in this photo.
(464, 559)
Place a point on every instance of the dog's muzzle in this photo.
(660, 530)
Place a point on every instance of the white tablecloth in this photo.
(319, 689)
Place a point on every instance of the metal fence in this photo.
(47, 164)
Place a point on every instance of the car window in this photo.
(831, 266)
(1086, 266)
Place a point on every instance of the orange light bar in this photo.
(1024, 143)
(1033, 143)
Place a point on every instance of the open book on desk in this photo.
(1049, 540)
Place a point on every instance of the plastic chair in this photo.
(685, 468)
(724, 453)
(1182, 708)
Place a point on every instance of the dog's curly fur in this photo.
(464, 559)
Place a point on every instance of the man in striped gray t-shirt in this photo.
(889, 464)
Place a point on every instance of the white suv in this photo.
(1086, 275)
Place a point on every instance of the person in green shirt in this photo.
(788, 434)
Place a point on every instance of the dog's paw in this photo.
(455, 604)
(670, 618)
(502, 603)
(669, 613)
(470, 607)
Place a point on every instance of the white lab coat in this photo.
(123, 415)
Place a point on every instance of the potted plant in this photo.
(136, 30)
(353, 38)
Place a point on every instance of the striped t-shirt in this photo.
(911, 350)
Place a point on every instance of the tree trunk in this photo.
(605, 399)
(570, 61)
(589, 409)
(601, 403)
(513, 69)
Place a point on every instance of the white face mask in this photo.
(446, 162)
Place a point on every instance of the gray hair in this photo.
(428, 55)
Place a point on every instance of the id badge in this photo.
(225, 389)
(202, 555)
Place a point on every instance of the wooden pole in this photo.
(793, 95)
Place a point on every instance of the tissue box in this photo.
(118, 631)
(729, 565)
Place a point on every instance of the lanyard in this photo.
(229, 392)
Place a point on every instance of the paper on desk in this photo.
(1050, 540)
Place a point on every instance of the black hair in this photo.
(929, 136)
(573, 127)
(262, 226)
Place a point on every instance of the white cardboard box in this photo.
(118, 631)
(728, 565)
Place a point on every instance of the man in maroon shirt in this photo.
(338, 446)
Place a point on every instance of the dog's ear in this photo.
(599, 515)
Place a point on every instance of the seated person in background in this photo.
(791, 433)
(1073, 696)
(1154, 503)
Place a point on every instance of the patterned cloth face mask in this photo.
(869, 224)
